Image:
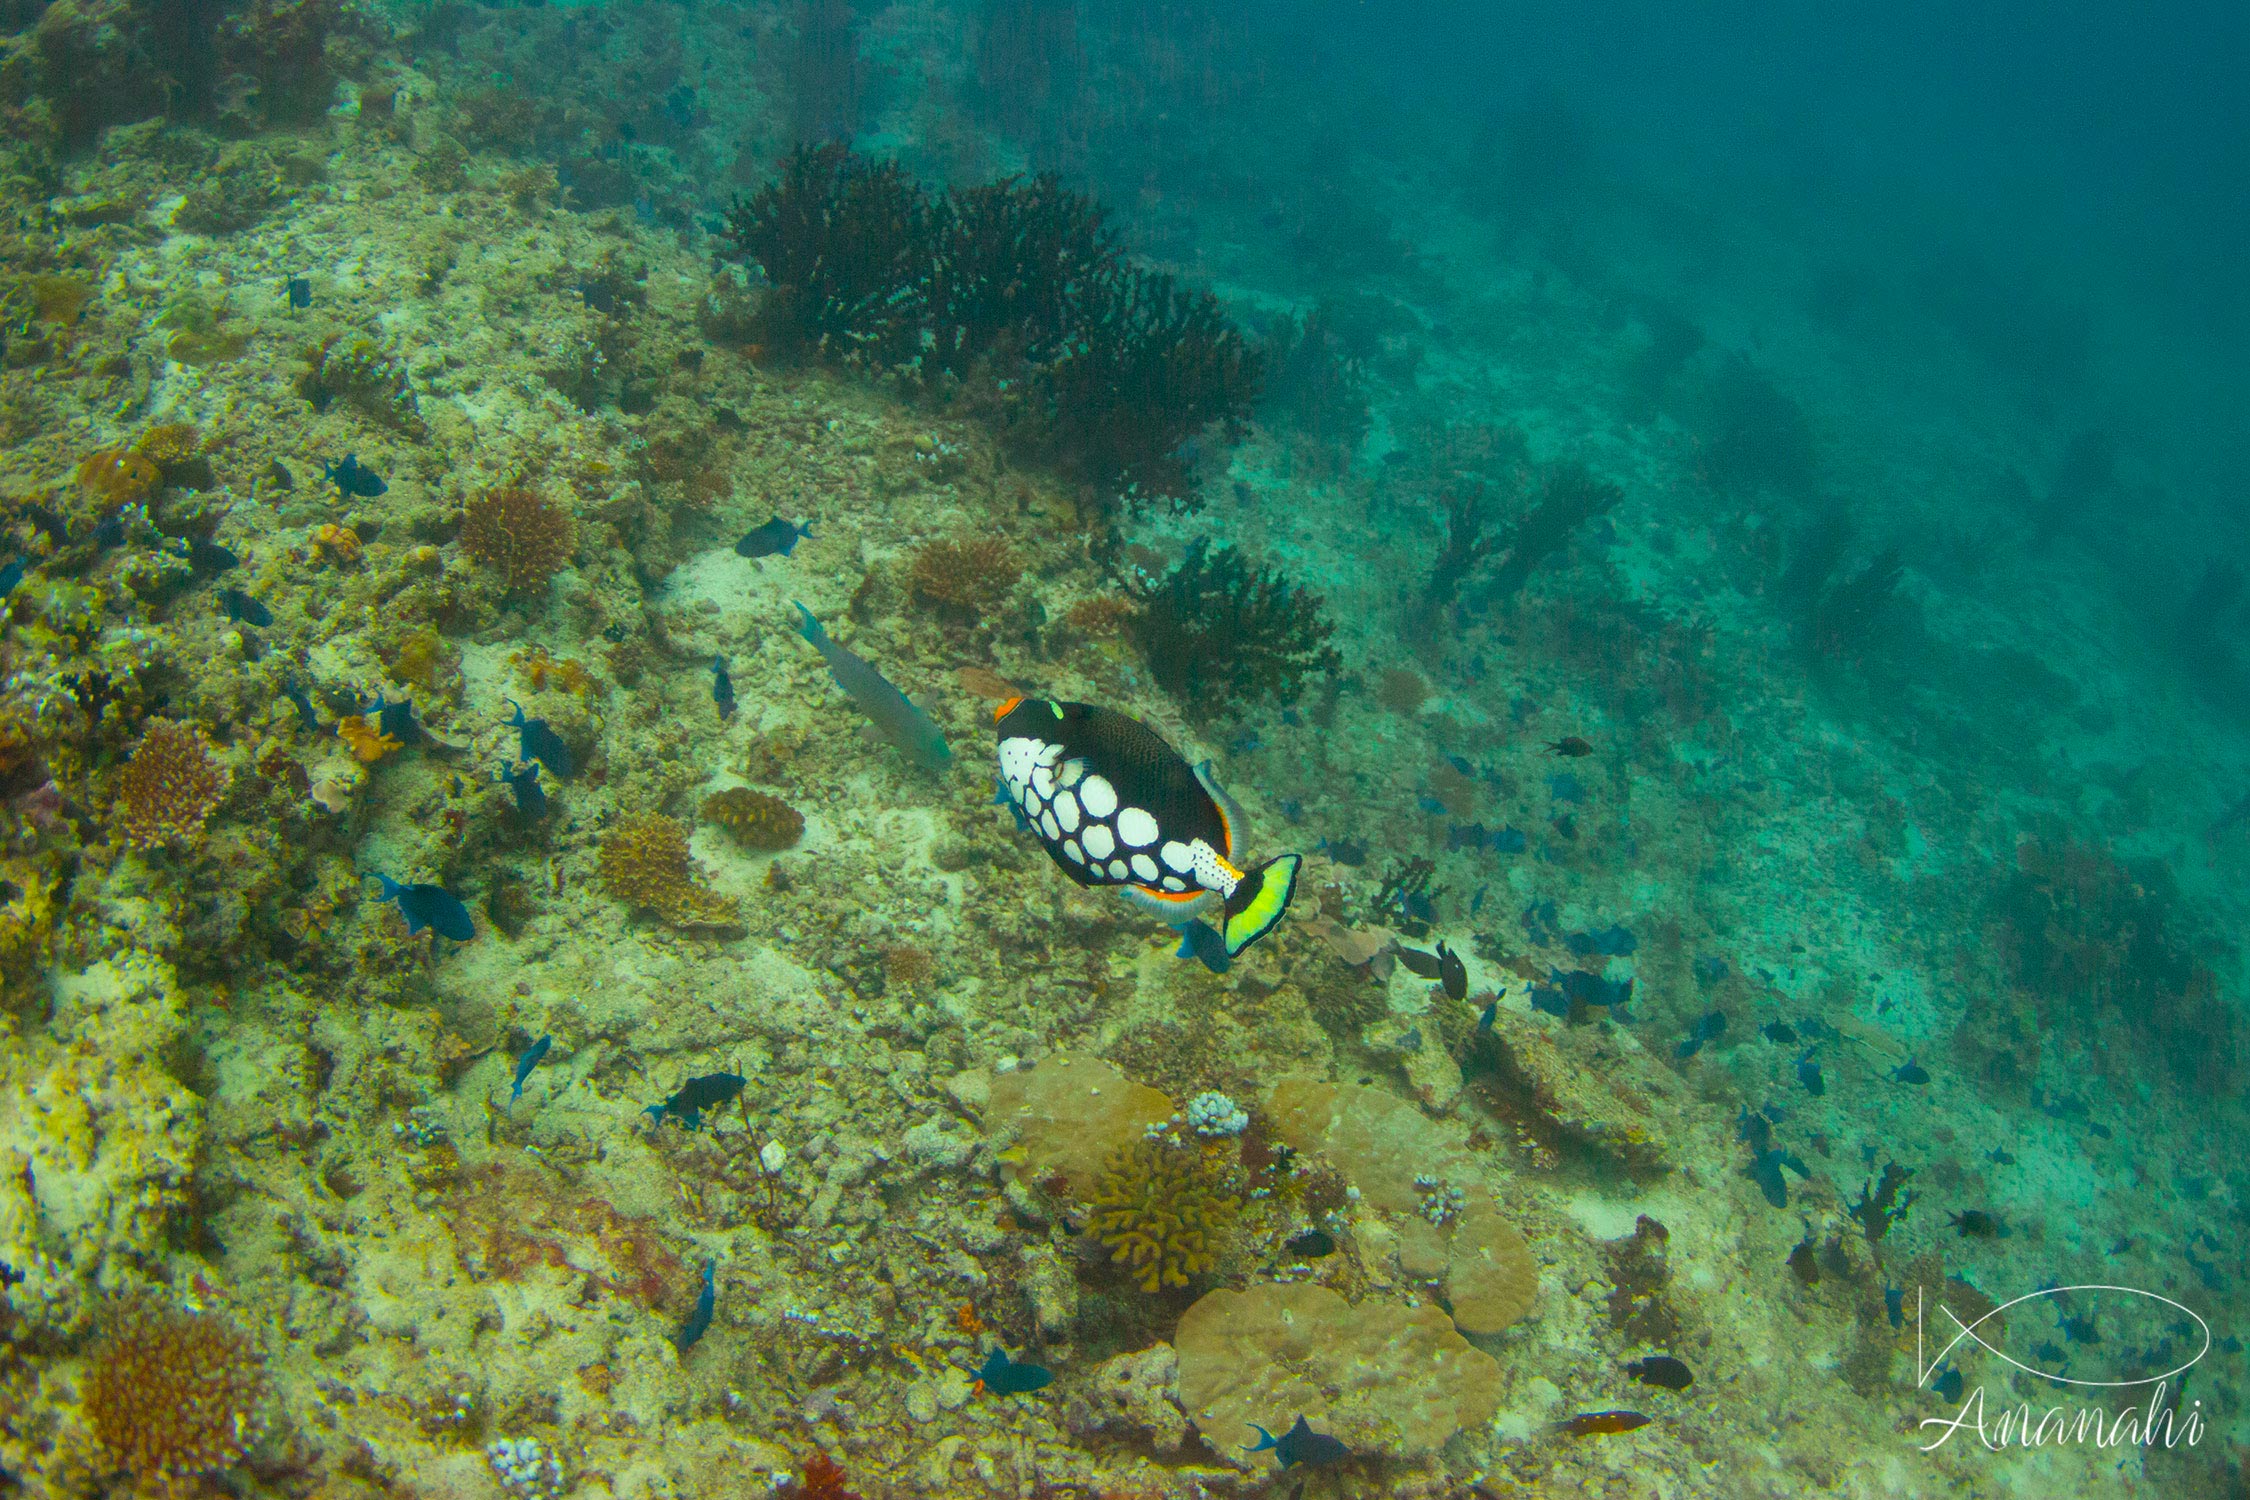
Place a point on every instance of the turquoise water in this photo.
(1643, 817)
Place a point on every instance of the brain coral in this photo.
(756, 820)
(645, 863)
(1381, 1376)
(520, 534)
(1162, 1210)
(173, 1395)
(170, 786)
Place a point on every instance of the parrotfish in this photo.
(1300, 1445)
(775, 536)
(1007, 1377)
(432, 906)
(1114, 805)
(695, 1096)
(1808, 1074)
(1910, 1072)
(526, 1063)
(353, 478)
(699, 1319)
(894, 714)
(722, 688)
(539, 742)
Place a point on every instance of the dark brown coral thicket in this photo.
(520, 534)
(172, 1395)
(171, 785)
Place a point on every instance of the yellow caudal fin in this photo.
(1258, 901)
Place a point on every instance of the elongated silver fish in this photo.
(895, 715)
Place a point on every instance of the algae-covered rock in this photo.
(1134, 1394)
(1070, 1114)
(1378, 1140)
(1598, 1090)
(106, 1138)
(1380, 1376)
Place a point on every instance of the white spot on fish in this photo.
(1144, 867)
(1138, 829)
(1117, 869)
(1099, 796)
(1177, 855)
(1070, 847)
(1066, 811)
(1047, 825)
(1100, 843)
(1174, 883)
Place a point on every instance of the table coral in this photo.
(520, 534)
(173, 1395)
(1380, 1376)
(1162, 1210)
(645, 863)
(756, 820)
(170, 786)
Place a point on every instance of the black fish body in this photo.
(538, 741)
(776, 536)
(1421, 965)
(351, 478)
(1114, 805)
(695, 1096)
(722, 687)
(1663, 1370)
(432, 906)
(1452, 973)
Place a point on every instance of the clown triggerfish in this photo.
(1115, 805)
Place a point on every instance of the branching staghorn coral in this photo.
(1163, 1210)
(170, 786)
(1220, 633)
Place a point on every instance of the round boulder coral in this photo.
(170, 786)
(520, 534)
(756, 820)
(173, 1395)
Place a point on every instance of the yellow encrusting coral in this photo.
(365, 738)
(173, 1395)
(1162, 1210)
(170, 786)
(118, 476)
(520, 534)
(645, 863)
(756, 820)
(964, 577)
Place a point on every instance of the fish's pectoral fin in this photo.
(1258, 900)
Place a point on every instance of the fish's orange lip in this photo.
(1006, 708)
(1170, 895)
